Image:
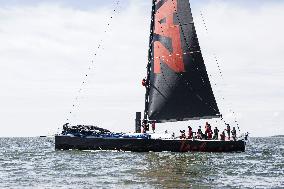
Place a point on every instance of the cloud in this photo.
(249, 45)
(46, 50)
(276, 114)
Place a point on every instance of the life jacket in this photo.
(222, 136)
(207, 130)
(190, 134)
(209, 134)
(153, 126)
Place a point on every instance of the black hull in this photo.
(146, 145)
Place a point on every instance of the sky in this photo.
(48, 47)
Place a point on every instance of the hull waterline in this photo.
(146, 145)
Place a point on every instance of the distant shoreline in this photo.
(278, 136)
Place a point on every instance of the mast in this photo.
(146, 110)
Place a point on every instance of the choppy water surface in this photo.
(33, 163)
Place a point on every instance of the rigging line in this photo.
(75, 101)
(215, 56)
(146, 110)
(218, 66)
(170, 55)
(202, 17)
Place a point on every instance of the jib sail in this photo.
(179, 87)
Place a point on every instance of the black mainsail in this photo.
(178, 85)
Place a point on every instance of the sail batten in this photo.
(179, 87)
(188, 119)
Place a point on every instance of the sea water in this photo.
(34, 163)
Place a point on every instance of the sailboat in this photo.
(177, 89)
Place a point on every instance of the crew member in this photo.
(182, 136)
(65, 126)
(246, 136)
(234, 134)
(144, 82)
(222, 135)
(153, 126)
(199, 133)
(216, 132)
(228, 131)
(144, 126)
(206, 128)
(190, 133)
(204, 135)
(147, 127)
(209, 133)
(206, 125)
(143, 129)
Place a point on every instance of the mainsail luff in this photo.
(179, 87)
(146, 111)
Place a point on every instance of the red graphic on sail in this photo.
(165, 26)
